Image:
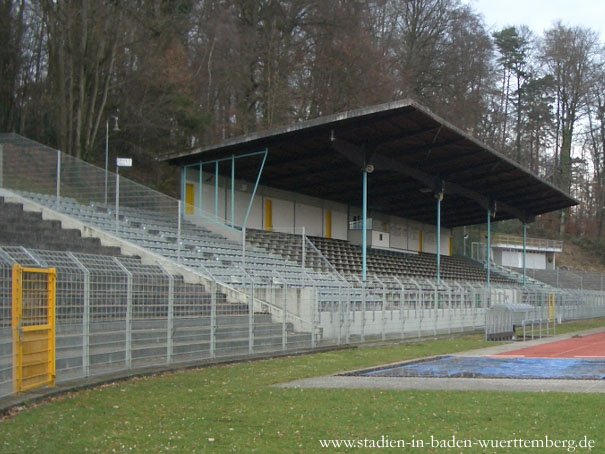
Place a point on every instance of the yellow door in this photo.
(268, 214)
(34, 293)
(328, 224)
(189, 198)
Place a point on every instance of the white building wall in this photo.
(398, 234)
(413, 238)
(255, 218)
(380, 239)
(311, 217)
(535, 260)
(339, 224)
(283, 214)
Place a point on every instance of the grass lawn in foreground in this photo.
(232, 408)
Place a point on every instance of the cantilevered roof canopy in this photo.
(414, 155)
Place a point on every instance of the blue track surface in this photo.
(482, 367)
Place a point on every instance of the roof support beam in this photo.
(357, 155)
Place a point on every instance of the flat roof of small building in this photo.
(413, 153)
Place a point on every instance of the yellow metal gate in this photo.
(34, 293)
(551, 307)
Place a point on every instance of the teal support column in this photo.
(489, 246)
(216, 191)
(364, 233)
(439, 198)
(232, 191)
(524, 254)
(260, 172)
(200, 191)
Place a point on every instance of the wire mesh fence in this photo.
(117, 313)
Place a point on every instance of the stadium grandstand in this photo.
(327, 232)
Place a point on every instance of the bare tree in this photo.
(568, 54)
(82, 40)
(596, 141)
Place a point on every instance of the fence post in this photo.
(213, 290)
(85, 316)
(284, 330)
(401, 308)
(251, 318)
(363, 312)
(128, 340)
(58, 179)
(170, 318)
(315, 316)
(383, 309)
(340, 313)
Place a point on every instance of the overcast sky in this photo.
(540, 14)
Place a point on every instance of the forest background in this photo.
(169, 75)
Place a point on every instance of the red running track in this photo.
(592, 346)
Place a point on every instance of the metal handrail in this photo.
(502, 238)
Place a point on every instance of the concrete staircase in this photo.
(28, 229)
